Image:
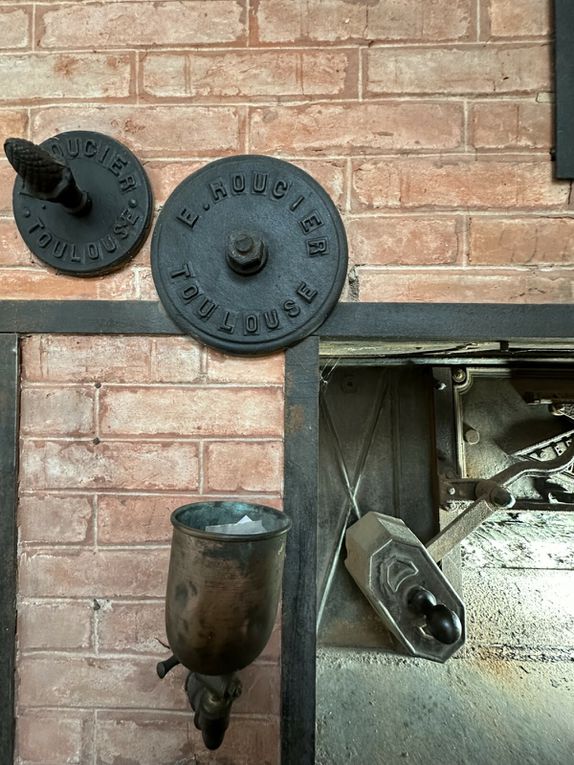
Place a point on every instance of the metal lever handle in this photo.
(163, 667)
(46, 177)
(443, 624)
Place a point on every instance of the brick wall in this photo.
(429, 123)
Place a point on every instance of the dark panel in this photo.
(564, 23)
(9, 376)
(86, 317)
(298, 652)
(448, 321)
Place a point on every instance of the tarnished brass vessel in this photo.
(223, 590)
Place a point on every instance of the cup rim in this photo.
(217, 537)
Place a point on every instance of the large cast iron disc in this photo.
(118, 221)
(249, 254)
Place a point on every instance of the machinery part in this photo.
(491, 495)
(163, 667)
(442, 623)
(393, 570)
(82, 201)
(211, 698)
(249, 254)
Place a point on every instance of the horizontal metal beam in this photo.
(349, 321)
(452, 321)
(86, 317)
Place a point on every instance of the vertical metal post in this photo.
(298, 637)
(9, 414)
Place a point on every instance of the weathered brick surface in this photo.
(518, 18)
(77, 573)
(16, 25)
(56, 626)
(223, 368)
(247, 466)
(155, 131)
(485, 183)
(13, 122)
(49, 519)
(472, 69)
(404, 240)
(58, 411)
(109, 465)
(277, 21)
(365, 128)
(192, 411)
(511, 125)
(65, 76)
(521, 241)
(86, 682)
(53, 737)
(466, 286)
(143, 519)
(251, 74)
(38, 284)
(13, 251)
(156, 739)
(127, 24)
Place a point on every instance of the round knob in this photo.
(442, 623)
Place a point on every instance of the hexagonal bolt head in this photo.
(246, 254)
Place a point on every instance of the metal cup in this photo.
(224, 583)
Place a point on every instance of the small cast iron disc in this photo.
(118, 222)
(249, 254)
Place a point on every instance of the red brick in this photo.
(360, 128)
(472, 69)
(141, 519)
(130, 24)
(132, 628)
(13, 122)
(42, 76)
(511, 125)
(254, 74)
(36, 284)
(150, 130)
(88, 682)
(13, 251)
(57, 411)
(277, 21)
(96, 574)
(192, 411)
(175, 360)
(55, 626)
(112, 465)
(53, 737)
(403, 240)
(523, 241)
(15, 24)
(7, 178)
(136, 520)
(222, 368)
(166, 175)
(519, 18)
(465, 286)
(244, 466)
(484, 183)
(330, 174)
(61, 358)
(155, 739)
(55, 519)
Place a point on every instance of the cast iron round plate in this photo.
(116, 226)
(275, 203)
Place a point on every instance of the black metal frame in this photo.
(564, 65)
(349, 322)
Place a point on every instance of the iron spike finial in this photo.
(46, 177)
